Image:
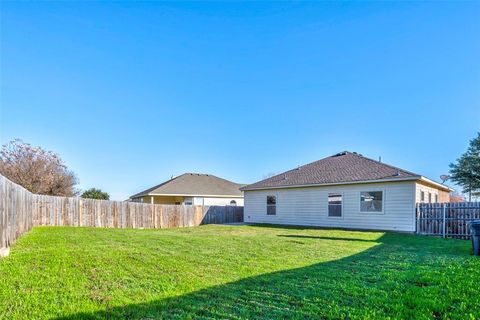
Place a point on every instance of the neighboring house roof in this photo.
(195, 184)
(341, 168)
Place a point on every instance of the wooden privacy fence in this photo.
(15, 212)
(447, 219)
(78, 212)
(20, 210)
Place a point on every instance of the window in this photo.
(334, 205)
(188, 201)
(371, 201)
(233, 203)
(429, 197)
(271, 205)
(422, 196)
(436, 198)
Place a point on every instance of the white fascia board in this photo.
(415, 178)
(194, 195)
(437, 184)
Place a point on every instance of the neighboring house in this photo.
(193, 189)
(345, 190)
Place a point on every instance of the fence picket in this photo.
(447, 219)
(20, 210)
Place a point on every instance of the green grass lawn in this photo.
(237, 272)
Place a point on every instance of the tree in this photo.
(94, 193)
(37, 170)
(466, 171)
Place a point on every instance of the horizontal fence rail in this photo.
(449, 220)
(20, 210)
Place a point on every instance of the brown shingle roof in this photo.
(195, 184)
(343, 167)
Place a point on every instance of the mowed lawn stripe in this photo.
(238, 272)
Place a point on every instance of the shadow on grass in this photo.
(325, 238)
(370, 284)
(297, 227)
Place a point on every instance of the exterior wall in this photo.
(221, 201)
(443, 196)
(207, 201)
(163, 199)
(309, 207)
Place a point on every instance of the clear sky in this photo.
(130, 94)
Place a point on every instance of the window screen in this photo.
(271, 205)
(371, 201)
(334, 205)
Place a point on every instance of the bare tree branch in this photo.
(36, 169)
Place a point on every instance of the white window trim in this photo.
(276, 205)
(333, 217)
(384, 201)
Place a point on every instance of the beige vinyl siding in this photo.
(308, 206)
(443, 196)
(162, 200)
(427, 190)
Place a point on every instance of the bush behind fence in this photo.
(20, 210)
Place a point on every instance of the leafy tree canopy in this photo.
(466, 170)
(94, 193)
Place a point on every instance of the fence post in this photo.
(417, 207)
(444, 205)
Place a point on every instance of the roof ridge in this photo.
(223, 179)
(155, 187)
(217, 177)
(304, 165)
(189, 181)
(385, 164)
(341, 167)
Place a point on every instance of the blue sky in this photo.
(130, 94)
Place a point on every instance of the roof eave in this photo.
(190, 195)
(413, 178)
(138, 195)
(437, 184)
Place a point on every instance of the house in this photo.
(193, 189)
(345, 190)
